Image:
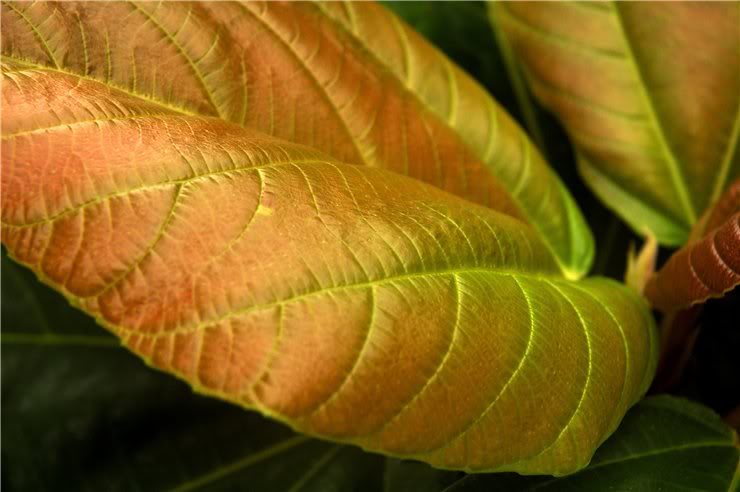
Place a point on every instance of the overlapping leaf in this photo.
(650, 94)
(709, 265)
(350, 302)
(292, 71)
(492, 135)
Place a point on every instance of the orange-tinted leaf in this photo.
(650, 94)
(488, 130)
(709, 265)
(292, 71)
(350, 302)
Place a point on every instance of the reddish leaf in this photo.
(350, 302)
(293, 71)
(708, 266)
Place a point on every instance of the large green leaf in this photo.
(350, 302)
(295, 72)
(650, 94)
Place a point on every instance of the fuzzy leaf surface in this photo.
(72, 423)
(650, 95)
(350, 302)
(293, 71)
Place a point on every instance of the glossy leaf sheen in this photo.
(350, 302)
(650, 94)
(708, 266)
(292, 71)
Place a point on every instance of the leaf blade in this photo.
(642, 119)
(255, 269)
(480, 121)
(292, 72)
(706, 267)
(663, 440)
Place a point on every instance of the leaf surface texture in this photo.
(72, 423)
(664, 443)
(350, 302)
(708, 266)
(295, 72)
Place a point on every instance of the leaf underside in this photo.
(347, 301)
(72, 423)
(648, 93)
(315, 75)
(664, 443)
(708, 266)
(104, 432)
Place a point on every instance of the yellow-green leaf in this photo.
(483, 125)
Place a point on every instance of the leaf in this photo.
(641, 265)
(349, 302)
(71, 422)
(709, 266)
(649, 94)
(487, 129)
(664, 443)
(291, 71)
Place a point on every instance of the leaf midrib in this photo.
(245, 462)
(674, 168)
(537, 276)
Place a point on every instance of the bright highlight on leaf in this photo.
(318, 75)
(349, 302)
(650, 94)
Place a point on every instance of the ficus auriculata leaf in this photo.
(312, 74)
(350, 302)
